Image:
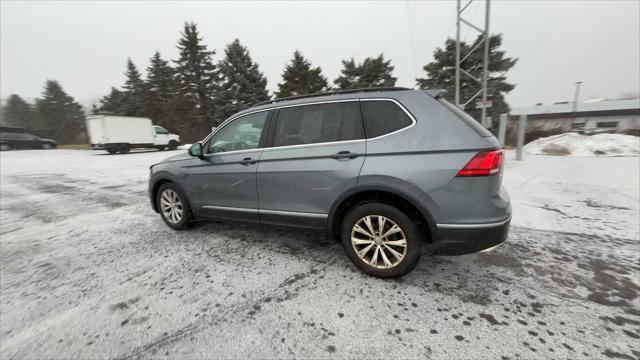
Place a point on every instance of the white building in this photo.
(606, 115)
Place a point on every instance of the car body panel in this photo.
(306, 179)
(222, 186)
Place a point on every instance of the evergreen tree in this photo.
(112, 104)
(59, 112)
(18, 112)
(160, 92)
(134, 89)
(243, 85)
(300, 78)
(372, 72)
(441, 74)
(196, 82)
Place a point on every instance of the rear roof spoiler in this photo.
(436, 93)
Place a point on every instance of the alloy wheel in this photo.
(171, 206)
(378, 241)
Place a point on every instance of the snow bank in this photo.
(184, 146)
(583, 145)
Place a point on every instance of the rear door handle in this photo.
(345, 155)
(248, 161)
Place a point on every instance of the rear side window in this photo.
(312, 124)
(383, 117)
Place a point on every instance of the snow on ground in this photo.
(583, 145)
(88, 270)
(595, 195)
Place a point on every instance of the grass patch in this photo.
(75, 147)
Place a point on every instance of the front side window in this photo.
(311, 124)
(161, 130)
(240, 134)
(383, 117)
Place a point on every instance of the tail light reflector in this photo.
(483, 164)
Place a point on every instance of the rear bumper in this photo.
(460, 239)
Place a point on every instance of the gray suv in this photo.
(383, 170)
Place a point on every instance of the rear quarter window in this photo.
(383, 117)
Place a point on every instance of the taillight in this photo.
(483, 164)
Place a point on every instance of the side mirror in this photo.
(196, 150)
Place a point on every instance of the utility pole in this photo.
(458, 55)
(485, 63)
(484, 104)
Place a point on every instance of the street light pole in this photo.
(576, 98)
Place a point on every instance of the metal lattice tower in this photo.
(485, 62)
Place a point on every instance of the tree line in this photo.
(192, 93)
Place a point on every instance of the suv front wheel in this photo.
(174, 206)
(381, 240)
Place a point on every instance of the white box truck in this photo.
(123, 133)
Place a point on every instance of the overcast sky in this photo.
(84, 45)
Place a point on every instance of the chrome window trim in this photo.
(413, 119)
(226, 122)
(286, 147)
(294, 213)
(267, 212)
(233, 152)
(229, 208)
(473, 226)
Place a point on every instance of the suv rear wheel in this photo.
(173, 206)
(381, 240)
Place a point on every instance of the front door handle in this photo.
(248, 161)
(345, 155)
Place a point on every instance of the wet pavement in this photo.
(88, 270)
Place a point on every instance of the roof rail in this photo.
(335, 92)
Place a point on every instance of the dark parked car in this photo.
(10, 141)
(382, 170)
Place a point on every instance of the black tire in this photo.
(186, 217)
(46, 146)
(410, 230)
(173, 145)
(112, 151)
(5, 147)
(124, 148)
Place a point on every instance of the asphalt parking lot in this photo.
(88, 270)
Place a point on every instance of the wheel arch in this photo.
(153, 194)
(386, 194)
